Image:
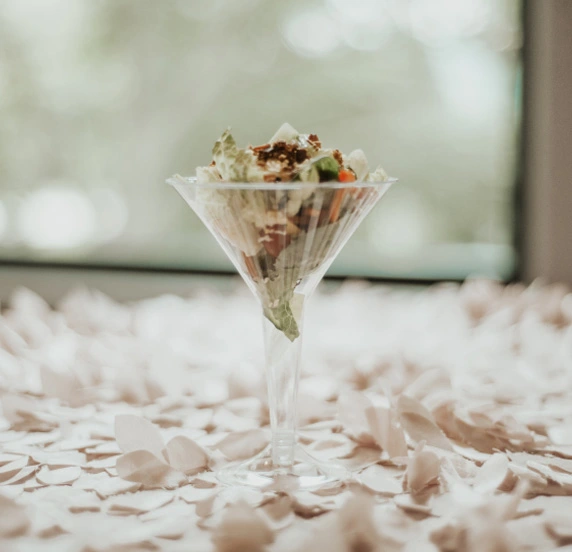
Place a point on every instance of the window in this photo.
(101, 101)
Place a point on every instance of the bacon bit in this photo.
(260, 148)
(301, 155)
(250, 266)
(346, 176)
(288, 155)
(337, 155)
(337, 204)
(315, 141)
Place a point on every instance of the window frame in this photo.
(544, 203)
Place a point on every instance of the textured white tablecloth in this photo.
(453, 407)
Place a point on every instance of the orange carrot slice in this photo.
(337, 204)
(346, 176)
(250, 266)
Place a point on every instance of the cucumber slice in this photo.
(328, 169)
(310, 174)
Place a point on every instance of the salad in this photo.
(281, 237)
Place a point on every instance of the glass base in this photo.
(306, 473)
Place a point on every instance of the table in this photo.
(451, 405)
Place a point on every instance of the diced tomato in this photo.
(346, 176)
(276, 238)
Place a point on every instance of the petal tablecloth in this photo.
(451, 405)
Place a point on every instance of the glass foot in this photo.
(306, 473)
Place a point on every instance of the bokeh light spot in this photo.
(367, 37)
(437, 21)
(359, 11)
(56, 217)
(311, 33)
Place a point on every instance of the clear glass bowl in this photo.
(282, 237)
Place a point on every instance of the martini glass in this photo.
(282, 237)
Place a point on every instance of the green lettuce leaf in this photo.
(235, 164)
(282, 316)
(305, 254)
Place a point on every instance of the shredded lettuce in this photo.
(379, 175)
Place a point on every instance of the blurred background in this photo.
(101, 101)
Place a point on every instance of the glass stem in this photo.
(282, 373)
